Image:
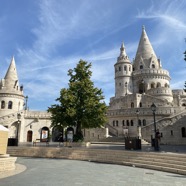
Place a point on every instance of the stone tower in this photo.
(11, 93)
(123, 72)
(148, 75)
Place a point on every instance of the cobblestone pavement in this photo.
(54, 172)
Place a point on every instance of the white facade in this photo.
(25, 125)
(138, 84)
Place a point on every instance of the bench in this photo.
(41, 141)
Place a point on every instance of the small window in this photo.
(153, 66)
(125, 68)
(119, 68)
(144, 122)
(183, 132)
(113, 123)
(123, 122)
(171, 132)
(129, 68)
(2, 104)
(131, 123)
(139, 122)
(140, 104)
(141, 66)
(10, 104)
(116, 123)
(127, 122)
(132, 105)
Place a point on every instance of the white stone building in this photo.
(26, 125)
(139, 84)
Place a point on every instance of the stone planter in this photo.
(3, 139)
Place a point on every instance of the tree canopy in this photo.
(81, 104)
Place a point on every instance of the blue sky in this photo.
(49, 37)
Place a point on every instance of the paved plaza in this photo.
(54, 172)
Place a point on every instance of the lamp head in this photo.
(153, 107)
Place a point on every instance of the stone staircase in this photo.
(168, 162)
(161, 123)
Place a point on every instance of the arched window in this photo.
(10, 104)
(141, 66)
(113, 123)
(171, 132)
(140, 104)
(144, 122)
(152, 85)
(129, 68)
(166, 85)
(2, 104)
(158, 85)
(116, 123)
(139, 122)
(29, 136)
(131, 123)
(44, 134)
(123, 122)
(132, 105)
(127, 122)
(119, 68)
(125, 68)
(183, 132)
(153, 66)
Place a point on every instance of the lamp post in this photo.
(156, 146)
(143, 85)
(18, 123)
(137, 113)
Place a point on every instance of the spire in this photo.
(145, 50)
(123, 55)
(11, 77)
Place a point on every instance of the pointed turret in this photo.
(11, 78)
(123, 56)
(12, 72)
(123, 71)
(145, 50)
(145, 55)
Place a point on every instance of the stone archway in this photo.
(29, 136)
(57, 134)
(44, 134)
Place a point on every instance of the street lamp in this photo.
(138, 127)
(18, 123)
(143, 85)
(156, 146)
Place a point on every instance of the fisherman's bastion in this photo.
(139, 84)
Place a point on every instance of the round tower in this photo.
(123, 71)
(148, 75)
(11, 93)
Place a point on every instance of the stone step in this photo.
(164, 164)
(170, 162)
(156, 167)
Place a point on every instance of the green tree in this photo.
(81, 104)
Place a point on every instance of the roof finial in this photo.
(143, 27)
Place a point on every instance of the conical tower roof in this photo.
(11, 77)
(145, 54)
(145, 50)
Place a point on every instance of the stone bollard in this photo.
(3, 140)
